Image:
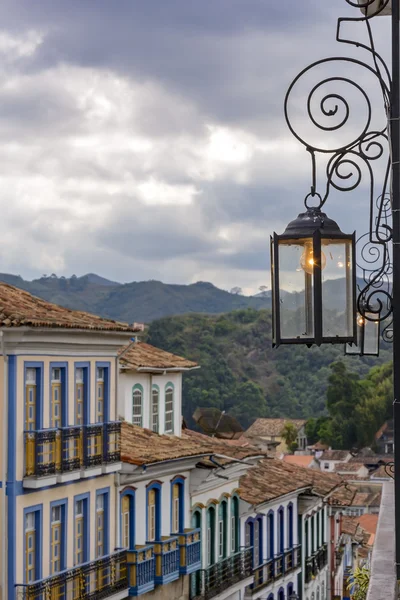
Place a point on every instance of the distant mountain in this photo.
(141, 301)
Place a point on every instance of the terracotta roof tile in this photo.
(334, 455)
(142, 355)
(301, 461)
(141, 446)
(369, 523)
(349, 467)
(273, 427)
(367, 499)
(20, 309)
(272, 478)
(380, 473)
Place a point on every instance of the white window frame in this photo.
(155, 418)
(169, 414)
(233, 534)
(137, 417)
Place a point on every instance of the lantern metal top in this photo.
(307, 223)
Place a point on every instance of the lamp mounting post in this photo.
(302, 284)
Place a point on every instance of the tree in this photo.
(237, 291)
(248, 403)
(289, 434)
(263, 290)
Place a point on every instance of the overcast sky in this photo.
(146, 139)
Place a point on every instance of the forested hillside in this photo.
(240, 371)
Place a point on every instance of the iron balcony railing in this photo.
(274, 568)
(190, 551)
(316, 563)
(98, 579)
(141, 570)
(52, 451)
(210, 582)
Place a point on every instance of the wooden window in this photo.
(30, 547)
(56, 535)
(100, 395)
(151, 515)
(234, 524)
(79, 551)
(210, 536)
(155, 399)
(100, 525)
(80, 396)
(56, 397)
(137, 406)
(169, 410)
(175, 508)
(125, 521)
(30, 400)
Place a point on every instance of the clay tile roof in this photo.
(348, 467)
(369, 523)
(141, 446)
(142, 355)
(367, 499)
(273, 427)
(301, 461)
(343, 495)
(272, 478)
(349, 525)
(334, 455)
(20, 309)
(222, 446)
(380, 473)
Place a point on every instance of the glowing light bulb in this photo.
(307, 260)
(360, 321)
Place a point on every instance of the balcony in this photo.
(274, 569)
(166, 552)
(190, 551)
(210, 582)
(102, 578)
(70, 453)
(316, 563)
(141, 565)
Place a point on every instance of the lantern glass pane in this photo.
(337, 288)
(371, 335)
(356, 349)
(295, 289)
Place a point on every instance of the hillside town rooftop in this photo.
(20, 309)
(340, 455)
(271, 427)
(141, 357)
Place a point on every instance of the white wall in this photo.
(127, 379)
(322, 576)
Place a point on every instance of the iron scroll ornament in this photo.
(351, 161)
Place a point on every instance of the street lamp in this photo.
(310, 259)
(368, 334)
(301, 259)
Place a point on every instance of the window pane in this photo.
(337, 289)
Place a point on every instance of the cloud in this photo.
(148, 140)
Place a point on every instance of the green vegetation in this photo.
(358, 583)
(357, 407)
(242, 374)
(289, 434)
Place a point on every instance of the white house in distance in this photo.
(330, 458)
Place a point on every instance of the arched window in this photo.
(137, 405)
(153, 512)
(318, 530)
(155, 401)
(313, 596)
(323, 591)
(312, 534)
(222, 528)
(196, 519)
(271, 534)
(128, 519)
(258, 542)
(169, 408)
(177, 505)
(281, 530)
(234, 524)
(249, 535)
(289, 590)
(290, 525)
(307, 539)
(210, 535)
(318, 593)
(281, 594)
